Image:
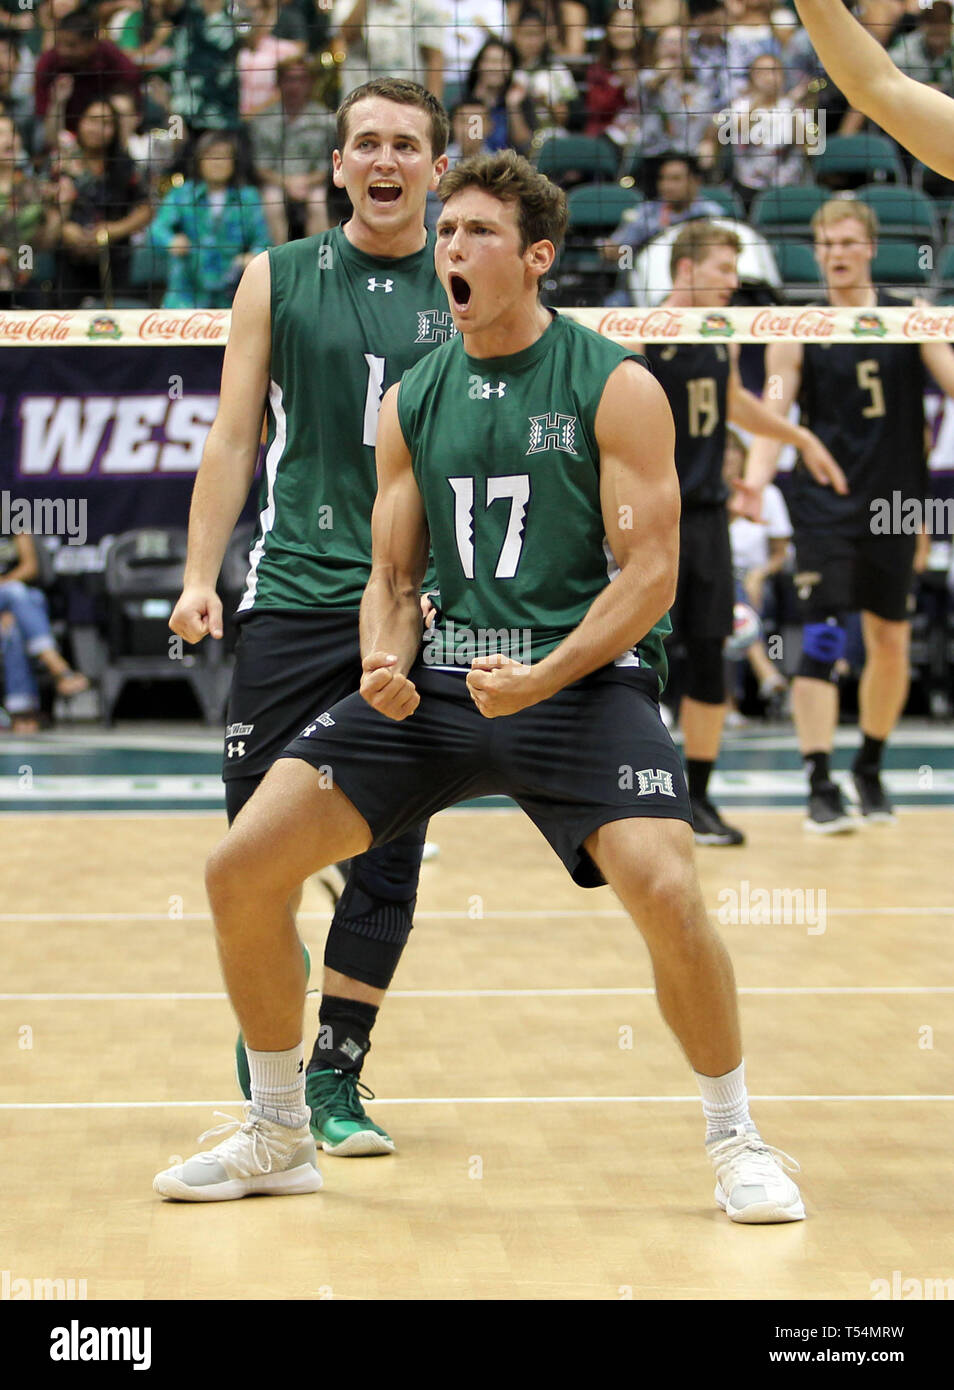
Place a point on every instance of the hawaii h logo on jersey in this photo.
(434, 326)
(552, 431)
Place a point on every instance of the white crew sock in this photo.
(278, 1086)
(725, 1103)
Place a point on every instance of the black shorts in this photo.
(288, 667)
(705, 591)
(595, 752)
(837, 574)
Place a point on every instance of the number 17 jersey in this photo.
(344, 327)
(505, 455)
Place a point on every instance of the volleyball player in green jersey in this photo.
(320, 328)
(536, 458)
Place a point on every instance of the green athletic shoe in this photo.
(338, 1120)
(241, 1061)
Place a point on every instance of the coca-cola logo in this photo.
(917, 324)
(35, 328)
(657, 323)
(204, 325)
(804, 323)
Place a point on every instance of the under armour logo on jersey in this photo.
(434, 326)
(653, 781)
(386, 285)
(487, 390)
(237, 750)
(552, 431)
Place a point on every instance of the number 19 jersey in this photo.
(505, 455)
(344, 327)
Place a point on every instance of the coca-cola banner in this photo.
(813, 323)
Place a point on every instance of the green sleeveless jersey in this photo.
(504, 452)
(345, 326)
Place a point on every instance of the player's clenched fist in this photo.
(385, 689)
(499, 685)
(198, 614)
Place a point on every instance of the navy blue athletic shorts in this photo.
(595, 752)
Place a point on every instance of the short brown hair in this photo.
(405, 93)
(507, 176)
(837, 209)
(696, 239)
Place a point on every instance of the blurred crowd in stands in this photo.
(150, 148)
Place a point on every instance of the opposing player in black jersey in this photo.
(866, 401)
(705, 390)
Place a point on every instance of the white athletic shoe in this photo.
(260, 1158)
(751, 1184)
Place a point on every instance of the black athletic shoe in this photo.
(872, 798)
(709, 827)
(827, 812)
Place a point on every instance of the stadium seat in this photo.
(945, 272)
(903, 212)
(575, 159)
(798, 269)
(848, 161)
(599, 207)
(149, 271)
(787, 212)
(144, 571)
(900, 263)
(727, 198)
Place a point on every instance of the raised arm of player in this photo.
(783, 378)
(230, 454)
(639, 492)
(919, 117)
(745, 409)
(391, 607)
(939, 360)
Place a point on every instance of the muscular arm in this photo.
(919, 117)
(230, 454)
(639, 494)
(391, 606)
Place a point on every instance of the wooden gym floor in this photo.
(549, 1133)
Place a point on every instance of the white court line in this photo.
(443, 1100)
(500, 993)
(526, 914)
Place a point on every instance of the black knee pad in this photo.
(705, 671)
(375, 913)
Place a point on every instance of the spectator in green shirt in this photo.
(212, 226)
